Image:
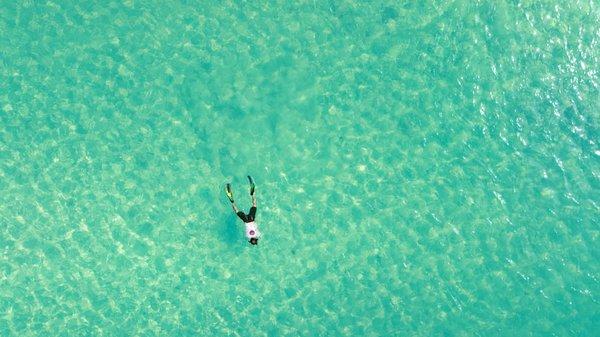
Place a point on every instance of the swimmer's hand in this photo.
(252, 186)
(229, 193)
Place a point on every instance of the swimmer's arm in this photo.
(235, 209)
(253, 200)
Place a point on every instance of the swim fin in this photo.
(229, 193)
(252, 186)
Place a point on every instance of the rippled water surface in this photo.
(423, 168)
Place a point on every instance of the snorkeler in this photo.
(252, 232)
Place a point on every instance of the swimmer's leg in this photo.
(242, 216)
(252, 186)
(252, 213)
(229, 194)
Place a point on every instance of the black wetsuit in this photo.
(247, 217)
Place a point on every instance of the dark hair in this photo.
(253, 241)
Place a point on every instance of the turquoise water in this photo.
(426, 168)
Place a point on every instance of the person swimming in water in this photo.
(252, 232)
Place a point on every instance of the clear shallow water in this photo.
(426, 169)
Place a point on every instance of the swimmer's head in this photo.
(253, 241)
